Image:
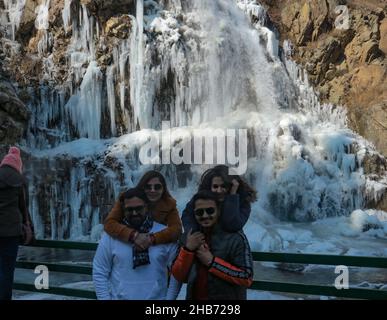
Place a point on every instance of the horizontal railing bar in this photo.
(354, 293)
(355, 261)
(56, 290)
(56, 267)
(64, 244)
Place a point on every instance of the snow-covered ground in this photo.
(362, 233)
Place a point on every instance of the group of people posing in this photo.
(147, 251)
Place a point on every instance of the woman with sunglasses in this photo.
(163, 209)
(234, 195)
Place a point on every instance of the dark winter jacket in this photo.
(12, 204)
(232, 260)
(234, 214)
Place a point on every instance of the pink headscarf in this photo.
(13, 159)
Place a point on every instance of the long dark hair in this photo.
(245, 190)
(154, 174)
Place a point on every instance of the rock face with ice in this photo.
(344, 51)
(100, 85)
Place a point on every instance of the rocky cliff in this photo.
(344, 50)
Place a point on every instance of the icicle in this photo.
(85, 107)
(137, 64)
(11, 16)
(66, 15)
(110, 80)
(42, 24)
(82, 48)
(76, 198)
(88, 32)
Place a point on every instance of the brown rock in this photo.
(105, 9)
(306, 20)
(13, 114)
(10, 130)
(118, 26)
(383, 36)
(289, 16)
(371, 122)
(55, 12)
(331, 73)
(370, 51)
(364, 47)
(337, 91)
(320, 14)
(382, 204)
(305, 24)
(11, 104)
(325, 56)
(367, 77)
(27, 21)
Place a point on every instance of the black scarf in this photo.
(141, 258)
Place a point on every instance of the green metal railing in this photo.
(57, 267)
(287, 287)
(321, 259)
(69, 292)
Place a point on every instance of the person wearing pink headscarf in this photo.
(13, 160)
(14, 218)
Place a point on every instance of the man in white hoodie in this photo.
(121, 271)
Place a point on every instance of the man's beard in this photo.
(136, 222)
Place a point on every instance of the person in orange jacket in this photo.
(162, 207)
(214, 263)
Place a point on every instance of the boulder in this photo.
(118, 26)
(13, 114)
(105, 9)
(27, 21)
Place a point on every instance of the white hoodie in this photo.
(115, 279)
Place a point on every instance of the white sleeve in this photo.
(174, 285)
(173, 288)
(173, 251)
(102, 267)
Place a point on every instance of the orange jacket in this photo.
(165, 212)
(219, 268)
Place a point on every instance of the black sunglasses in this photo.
(156, 187)
(137, 209)
(210, 211)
